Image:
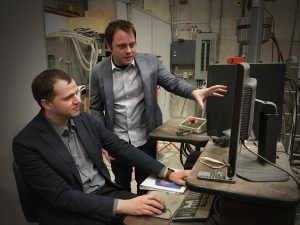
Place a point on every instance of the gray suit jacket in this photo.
(153, 73)
(48, 167)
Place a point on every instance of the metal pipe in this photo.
(256, 31)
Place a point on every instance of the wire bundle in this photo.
(80, 42)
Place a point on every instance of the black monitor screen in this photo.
(235, 110)
(219, 110)
(270, 87)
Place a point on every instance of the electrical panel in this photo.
(206, 53)
(183, 52)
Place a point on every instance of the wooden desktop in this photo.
(246, 202)
(168, 132)
(242, 203)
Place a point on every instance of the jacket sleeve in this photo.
(124, 151)
(174, 84)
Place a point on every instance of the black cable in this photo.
(273, 28)
(286, 122)
(291, 126)
(172, 20)
(296, 149)
(215, 216)
(290, 105)
(185, 150)
(266, 160)
(294, 112)
(181, 153)
(279, 53)
(280, 57)
(170, 214)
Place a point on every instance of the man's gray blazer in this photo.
(152, 72)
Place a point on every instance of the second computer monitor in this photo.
(235, 110)
(220, 110)
(270, 87)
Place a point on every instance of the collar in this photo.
(60, 130)
(114, 67)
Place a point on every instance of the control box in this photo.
(206, 53)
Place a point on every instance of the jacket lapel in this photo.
(93, 150)
(108, 86)
(86, 140)
(51, 137)
(145, 75)
(149, 91)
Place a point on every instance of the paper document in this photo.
(152, 183)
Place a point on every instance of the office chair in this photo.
(25, 196)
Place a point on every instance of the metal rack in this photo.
(296, 27)
(293, 65)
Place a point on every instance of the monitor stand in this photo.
(249, 168)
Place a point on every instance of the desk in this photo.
(150, 220)
(245, 202)
(167, 132)
(242, 203)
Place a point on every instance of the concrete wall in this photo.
(283, 13)
(220, 16)
(153, 36)
(22, 57)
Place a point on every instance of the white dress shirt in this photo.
(129, 106)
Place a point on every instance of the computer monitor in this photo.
(270, 87)
(235, 110)
(227, 113)
(219, 110)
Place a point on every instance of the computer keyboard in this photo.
(194, 207)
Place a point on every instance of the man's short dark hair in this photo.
(43, 84)
(115, 25)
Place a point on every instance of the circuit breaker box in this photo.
(206, 53)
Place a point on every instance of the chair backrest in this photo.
(25, 196)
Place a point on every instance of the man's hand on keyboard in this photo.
(179, 177)
(141, 205)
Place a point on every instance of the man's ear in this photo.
(109, 47)
(45, 104)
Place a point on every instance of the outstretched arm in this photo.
(201, 94)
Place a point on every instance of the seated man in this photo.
(59, 155)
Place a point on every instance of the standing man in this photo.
(123, 95)
(59, 155)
